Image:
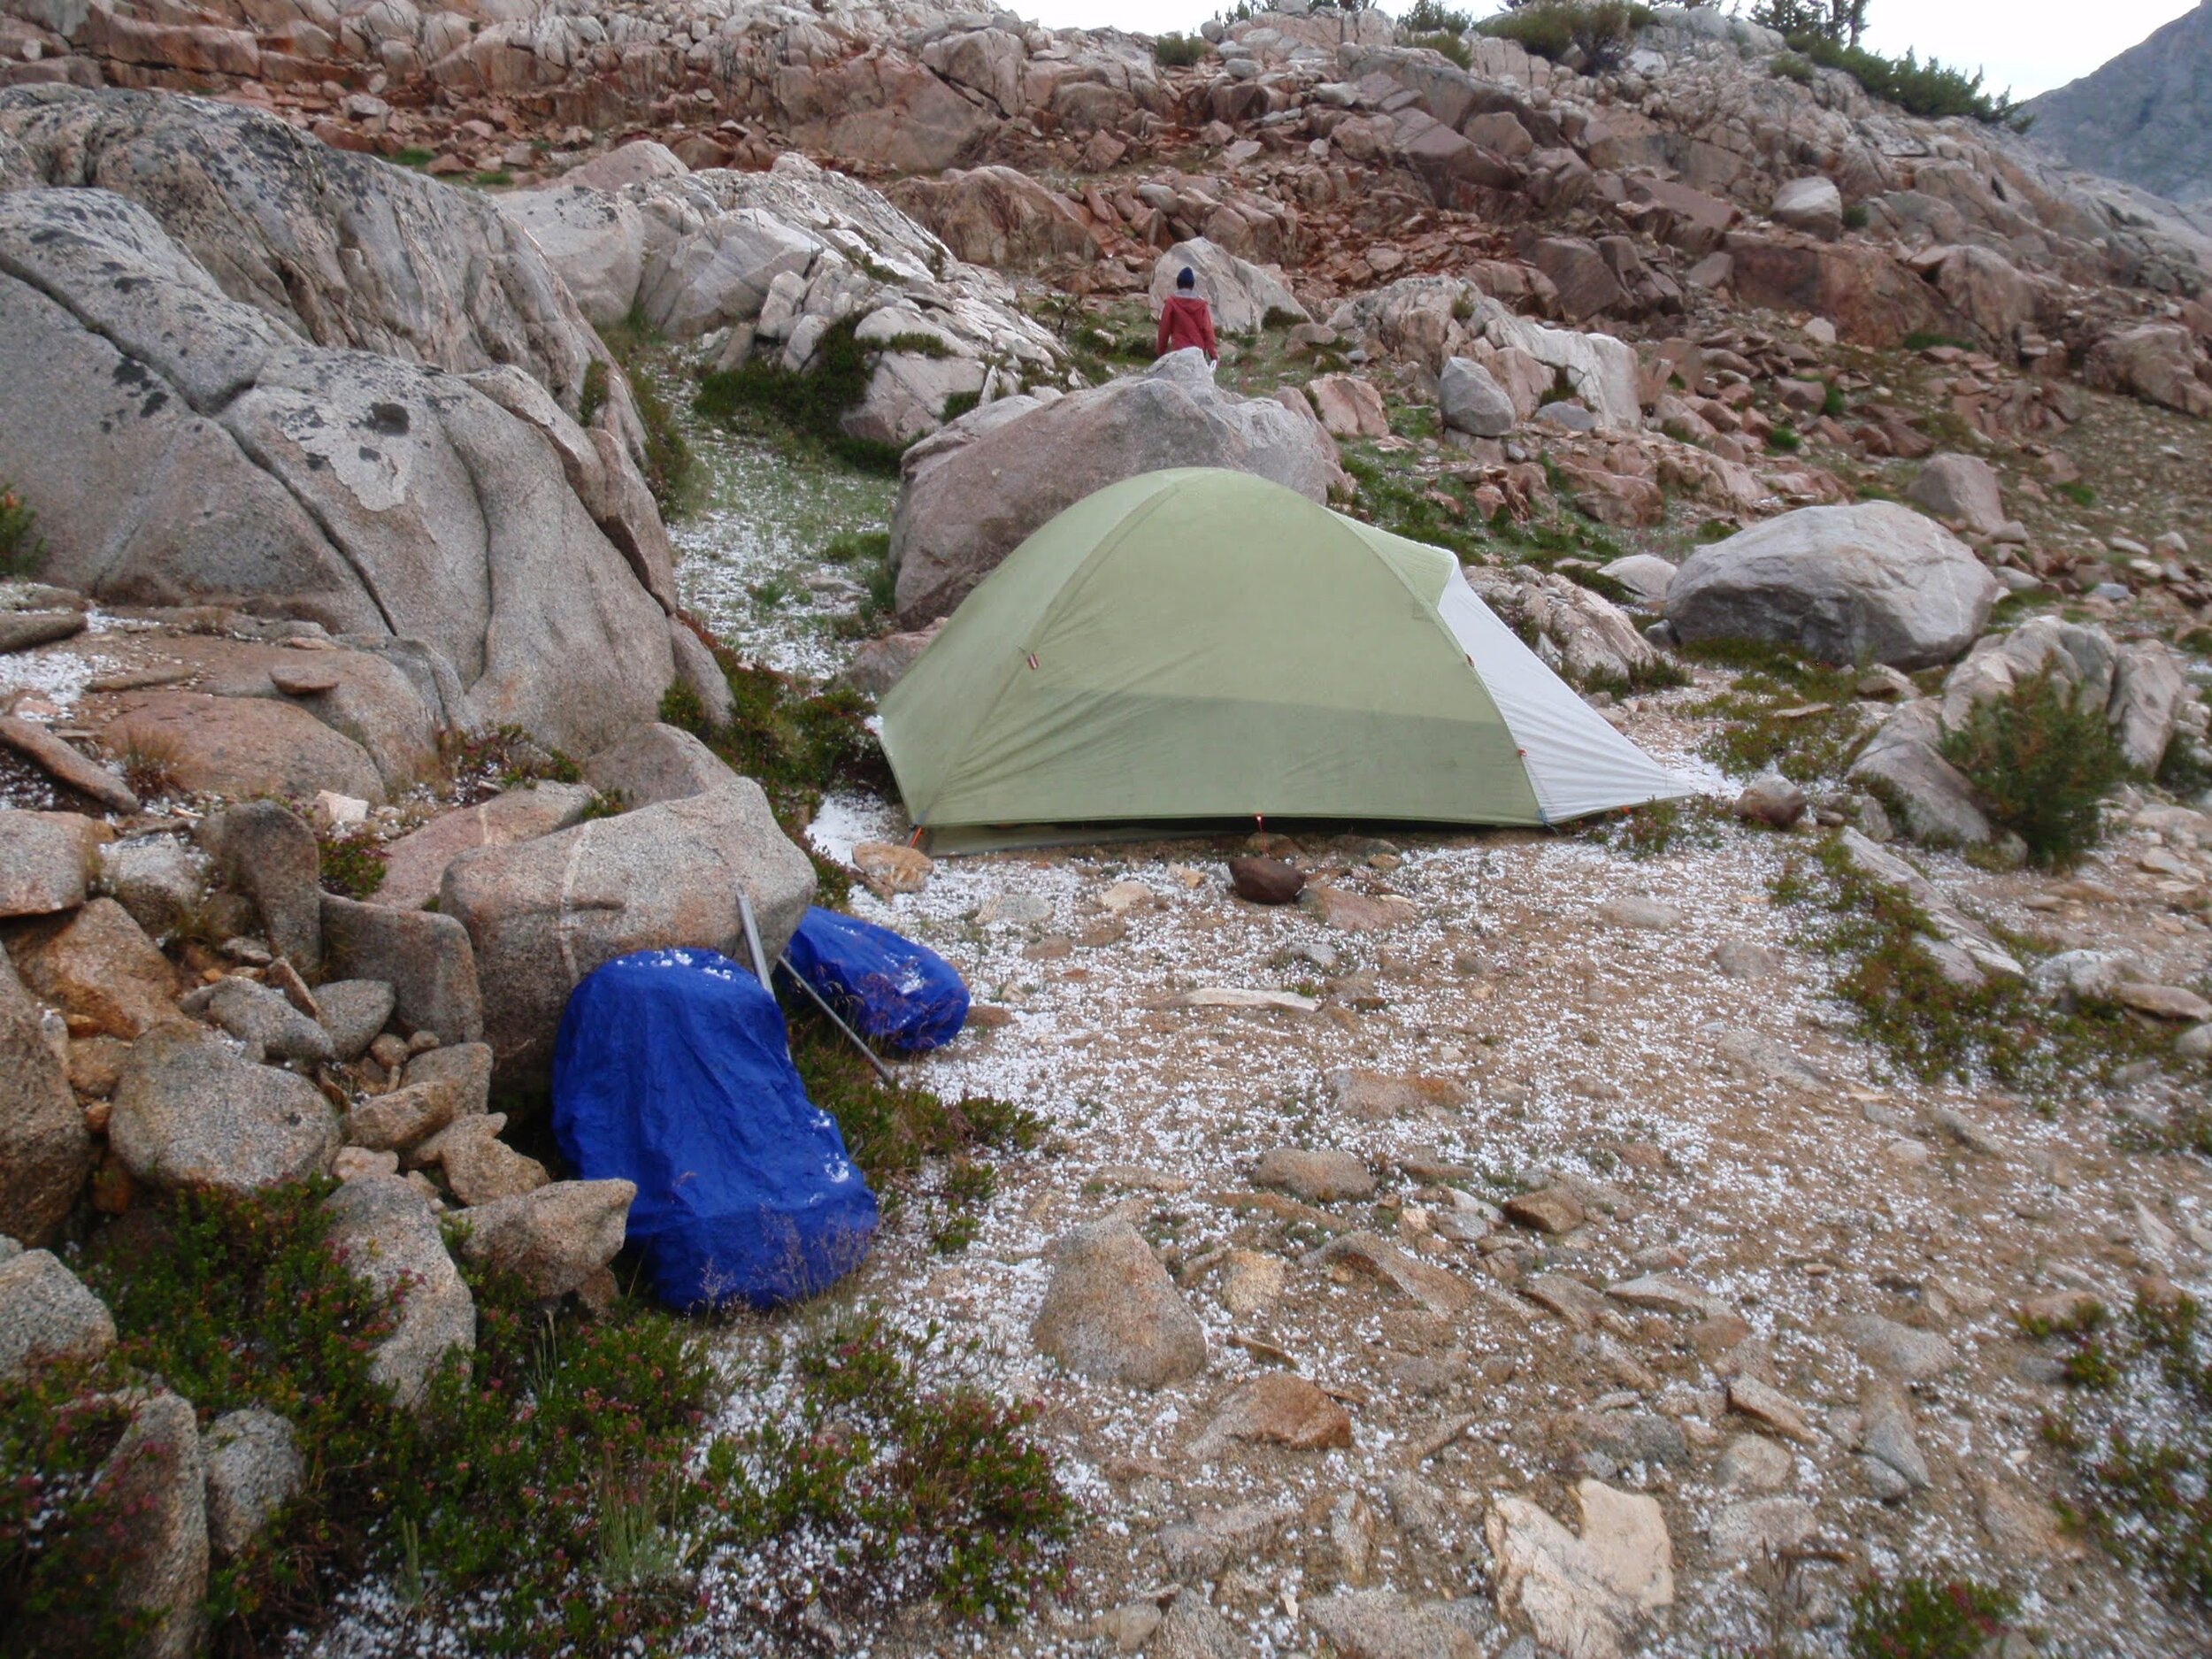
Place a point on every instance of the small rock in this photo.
(1252, 1281)
(1384, 1625)
(262, 1018)
(1356, 913)
(1380, 1097)
(1130, 1626)
(1193, 1629)
(156, 878)
(1586, 1596)
(1112, 1314)
(1319, 1176)
(160, 1565)
(1760, 1527)
(1771, 799)
(1632, 911)
(2025, 1528)
(1265, 880)
(254, 1468)
(46, 1315)
(1555, 1210)
(1754, 1462)
(461, 1069)
(353, 1011)
(1739, 959)
(1887, 1436)
(97, 964)
(1199, 1549)
(43, 860)
(1438, 1289)
(1276, 1407)
(1909, 1355)
(1020, 910)
(480, 1167)
(397, 1121)
(2165, 1001)
(1769, 1405)
(193, 1113)
(385, 1231)
(552, 1239)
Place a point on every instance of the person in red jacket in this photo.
(1187, 320)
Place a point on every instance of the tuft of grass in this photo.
(1659, 827)
(2137, 1430)
(1930, 1027)
(811, 406)
(2042, 766)
(1922, 341)
(669, 466)
(1772, 682)
(415, 156)
(1926, 1618)
(479, 764)
(21, 547)
(1785, 439)
(149, 765)
(351, 861)
(2081, 494)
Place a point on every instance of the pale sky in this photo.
(2029, 45)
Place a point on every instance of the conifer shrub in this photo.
(2042, 764)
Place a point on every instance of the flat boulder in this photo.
(1870, 581)
(973, 492)
(240, 746)
(1810, 204)
(1322, 1176)
(1112, 1314)
(193, 1114)
(45, 857)
(543, 914)
(383, 1229)
(1962, 489)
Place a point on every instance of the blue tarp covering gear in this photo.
(672, 1069)
(889, 989)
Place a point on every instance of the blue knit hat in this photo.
(1188, 279)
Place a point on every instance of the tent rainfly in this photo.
(1201, 645)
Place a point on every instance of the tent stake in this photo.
(760, 967)
(866, 1053)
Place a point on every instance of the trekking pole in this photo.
(760, 967)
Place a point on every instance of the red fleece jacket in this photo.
(1187, 321)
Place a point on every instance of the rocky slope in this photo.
(2144, 117)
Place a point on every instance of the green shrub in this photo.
(1180, 51)
(20, 547)
(1791, 66)
(931, 1493)
(958, 403)
(415, 158)
(2041, 765)
(1598, 33)
(352, 861)
(592, 398)
(479, 765)
(1932, 90)
(1856, 215)
(811, 405)
(2081, 494)
(1785, 439)
(1448, 45)
(2138, 1434)
(1925, 1618)
(1434, 17)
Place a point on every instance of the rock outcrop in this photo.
(2144, 116)
(364, 448)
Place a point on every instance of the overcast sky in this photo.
(2029, 45)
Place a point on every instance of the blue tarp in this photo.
(672, 1069)
(889, 989)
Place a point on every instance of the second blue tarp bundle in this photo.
(889, 989)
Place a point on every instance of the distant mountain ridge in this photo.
(2146, 117)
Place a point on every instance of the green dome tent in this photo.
(1205, 645)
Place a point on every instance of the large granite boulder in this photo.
(542, 914)
(43, 1144)
(1870, 582)
(996, 216)
(972, 494)
(183, 445)
(47, 1315)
